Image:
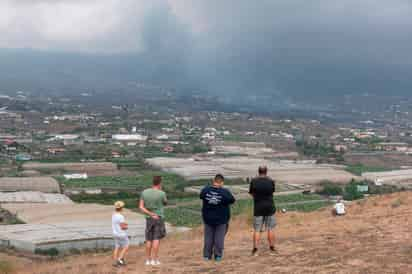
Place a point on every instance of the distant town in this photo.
(83, 152)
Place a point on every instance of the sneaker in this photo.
(255, 252)
(117, 264)
(218, 258)
(155, 262)
(148, 262)
(122, 261)
(206, 258)
(273, 250)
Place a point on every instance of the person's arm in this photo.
(228, 197)
(274, 186)
(252, 188)
(231, 199)
(164, 198)
(202, 193)
(146, 211)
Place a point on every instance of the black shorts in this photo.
(155, 229)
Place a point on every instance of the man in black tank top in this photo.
(262, 188)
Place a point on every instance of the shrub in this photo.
(52, 252)
(352, 193)
(331, 189)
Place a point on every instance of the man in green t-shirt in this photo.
(152, 201)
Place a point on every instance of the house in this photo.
(129, 137)
(162, 137)
(55, 150)
(23, 157)
(73, 142)
(11, 145)
(340, 148)
(168, 149)
(82, 176)
(393, 146)
(115, 154)
(64, 137)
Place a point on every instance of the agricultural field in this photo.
(91, 168)
(246, 167)
(190, 214)
(358, 169)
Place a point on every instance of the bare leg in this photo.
(148, 250)
(123, 252)
(155, 249)
(115, 252)
(256, 238)
(271, 238)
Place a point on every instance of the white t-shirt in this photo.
(117, 219)
(340, 208)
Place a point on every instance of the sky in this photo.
(267, 45)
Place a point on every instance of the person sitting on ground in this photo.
(121, 240)
(152, 202)
(216, 216)
(262, 188)
(339, 208)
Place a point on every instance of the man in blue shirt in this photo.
(216, 216)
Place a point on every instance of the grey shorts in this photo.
(121, 242)
(155, 229)
(264, 223)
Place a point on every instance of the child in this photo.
(216, 216)
(121, 240)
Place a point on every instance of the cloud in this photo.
(267, 45)
(75, 25)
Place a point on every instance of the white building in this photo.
(129, 137)
(75, 176)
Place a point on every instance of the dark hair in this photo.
(219, 178)
(157, 180)
(263, 170)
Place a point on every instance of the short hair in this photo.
(219, 178)
(263, 170)
(157, 180)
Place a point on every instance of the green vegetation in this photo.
(351, 192)
(239, 138)
(358, 169)
(52, 252)
(129, 198)
(190, 215)
(314, 149)
(291, 198)
(7, 218)
(182, 217)
(307, 207)
(331, 189)
(139, 182)
(130, 164)
(156, 151)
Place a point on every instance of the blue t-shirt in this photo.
(216, 205)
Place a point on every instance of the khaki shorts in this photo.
(121, 242)
(264, 223)
(155, 229)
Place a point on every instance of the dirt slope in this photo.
(375, 237)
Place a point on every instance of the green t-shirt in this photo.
(154, 200)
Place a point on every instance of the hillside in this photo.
(375, 237)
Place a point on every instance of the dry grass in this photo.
(7, 267)
(371, 238)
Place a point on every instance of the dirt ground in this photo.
(374, 237)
